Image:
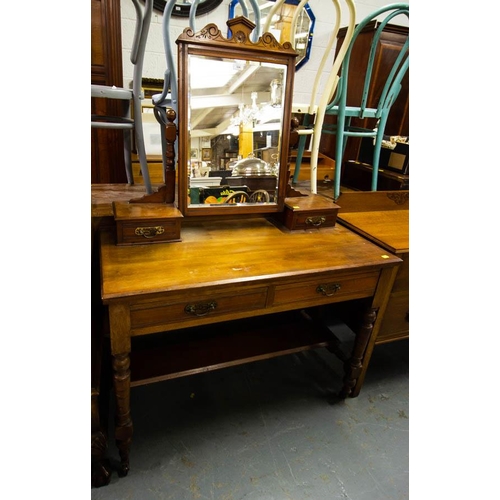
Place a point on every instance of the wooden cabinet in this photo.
(391, 42)
(107, 161)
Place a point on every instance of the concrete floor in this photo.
(268, 431)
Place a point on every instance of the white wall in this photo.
(155, 63)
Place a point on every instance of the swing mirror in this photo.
(234, 120)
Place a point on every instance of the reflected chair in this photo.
(380, 99)
(130, 120)
(314, 112)
(237, 197)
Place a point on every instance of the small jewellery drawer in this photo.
(154, 231)
(309, 212)
(324, 290)
(311, 220)
(183, 309)
(145, 223)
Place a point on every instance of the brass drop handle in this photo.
(328, 290)
(149, 232)
(315, 221)
(200, 309)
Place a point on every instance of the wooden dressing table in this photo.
(239, 287)
(232, 292)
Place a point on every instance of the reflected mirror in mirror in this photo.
(281, 23)
(182, 7)
(235, 118)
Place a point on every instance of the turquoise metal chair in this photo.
(314, 111)
(346, 112)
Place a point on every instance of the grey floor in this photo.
(270, 431)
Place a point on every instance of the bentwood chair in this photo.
(169, 95)
(129, 121)
(314, 111)
(381, 100)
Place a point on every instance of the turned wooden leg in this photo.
(101, 468)
(123, 420)
(354, 365)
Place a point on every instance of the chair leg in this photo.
(127, 155)
(141, 153)
(376, 151)
(340, 141)
(316, 139)
(298, 162)
(141, 148)
(300, 150)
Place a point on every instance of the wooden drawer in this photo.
(309, 212)
(325, 290)
(180, 311)
(396, 322)
(152, 231)
(402, 282)
(144, 223)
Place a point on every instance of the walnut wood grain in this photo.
(383, 218)
(243, 269)
(390, 229)
(354, 365)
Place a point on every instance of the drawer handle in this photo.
(200, 309)
(328, 290)
(316, 221)
(149, 232)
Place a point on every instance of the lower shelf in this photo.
(155, 358)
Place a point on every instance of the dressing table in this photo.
(220, 273)
(238, 285)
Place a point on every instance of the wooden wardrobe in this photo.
(107, 162)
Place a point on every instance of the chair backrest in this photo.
(333, 78)
(257, 17)
(392, 85)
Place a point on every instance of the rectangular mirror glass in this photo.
(235, 121)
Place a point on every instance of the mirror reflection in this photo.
(235, 118)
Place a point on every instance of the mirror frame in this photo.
(183, 10)
(211, 42)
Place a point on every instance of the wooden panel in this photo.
(402, 283)
(396, 322)
(107, 160)
(369, 201)
(388, 229)
(391, 42)
(356, 175)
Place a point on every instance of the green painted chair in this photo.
(346, 112)
(314, 111)
(342, 106)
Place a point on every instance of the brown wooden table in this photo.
(383, 218)
(232, 292)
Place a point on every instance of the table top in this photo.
(226, 252)
(390, 229)
(103, 196)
